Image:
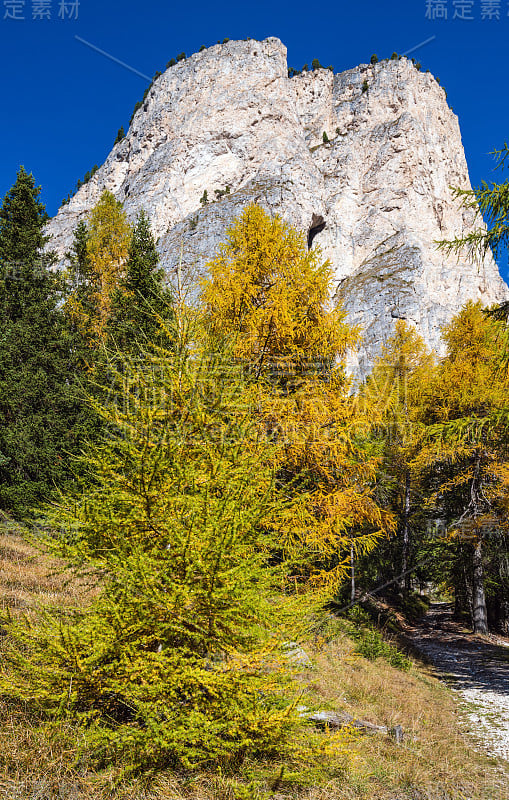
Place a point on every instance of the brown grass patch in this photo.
(436, 761)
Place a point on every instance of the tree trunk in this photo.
(480, 613)
(352, 572)
(503, 618)
(405, 534)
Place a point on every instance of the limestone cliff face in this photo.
(230, 117)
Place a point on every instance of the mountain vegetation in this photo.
(222, 493)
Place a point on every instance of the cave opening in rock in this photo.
(317, 225)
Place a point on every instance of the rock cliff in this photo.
(375, 197)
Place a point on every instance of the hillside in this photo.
(435, 760)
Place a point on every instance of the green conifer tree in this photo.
(38, 407)
(141, 296)
(120, 135)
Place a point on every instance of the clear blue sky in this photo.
(63, 103)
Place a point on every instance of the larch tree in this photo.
(392, 396)
(176, 662)
(272, 294)
(99, 268)
(466, 443)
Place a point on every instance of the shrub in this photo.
(202, 48)
(225, 41)
(394, 57)
(364, 86)
(325, 138)
(204, 199)
(171, 63)
(181, 57)
(374, 59)
(370, 643)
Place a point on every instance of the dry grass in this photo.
(435, 762)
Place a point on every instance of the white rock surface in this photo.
(230, 116)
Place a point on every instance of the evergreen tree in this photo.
(120, 135)
(39, 412)
(141, 296)
(491, 206)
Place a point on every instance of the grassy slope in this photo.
(435, 762)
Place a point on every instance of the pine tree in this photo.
(120, 135)
(490, 203)
(141, 297)
(38, 406)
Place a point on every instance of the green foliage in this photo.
(225, 41)
(369, 641)
(136, 108)
(374, 59)
(141, 300)
(315, 64)
(204, 199)
(365, 86)
(86, 178)
(175, 663)
(325, 138)
(39, 410)
(120, 135)
(202, 48)
(395, 57)
(181, 57)
(172, 62)
(490, 203)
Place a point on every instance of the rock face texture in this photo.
(230, 117)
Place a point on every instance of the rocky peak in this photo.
(375, 197)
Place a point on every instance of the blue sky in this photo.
(63, 103)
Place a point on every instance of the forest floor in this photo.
(475, 666)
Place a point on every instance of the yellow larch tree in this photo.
(393, 395)
(272, 294)
(466, 416)
(102, 264)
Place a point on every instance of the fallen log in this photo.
(334, 720)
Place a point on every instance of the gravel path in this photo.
(477, 668)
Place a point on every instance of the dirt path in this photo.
(476, 667)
